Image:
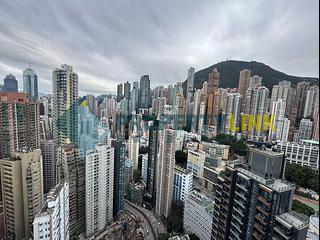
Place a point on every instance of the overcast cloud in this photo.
(108, 42)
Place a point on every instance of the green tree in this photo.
(193, 237)
(302, 176)
(236, 146)
(175, 218)
(300, 207)
(163, 236)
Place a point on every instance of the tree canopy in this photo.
(175, 219)
(302, 176)
(236, 146)
(300, 207)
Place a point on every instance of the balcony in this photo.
(265, 201)
(259, 228)
(261, 220)
(256, 235)
(264, 211)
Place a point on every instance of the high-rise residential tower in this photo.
(49, 164)
(315, 130)
(232, 123)
(196, 110)
(127, 90)
(165, 172)
(252, 201)
(280, 91)
(30, 84)
(22, 189)
(144, 91)
(10, 83)
(99, 188)
(179, 112)
(202, 116)
(150, 198)
(198, 214)
(118, 181)
(277, 120)
(244, 80)
(312, 101)
(256, 106)
(213, 84)
(65, 105)
(71, 168)
(213, 81)
(302, 89)
(255, 81)
(119, 92)
(305, 129)
(19, 123)
(177, 88)
(134, 96)
(52, 222)
(182, 184)
(190, 84)
(133, 150)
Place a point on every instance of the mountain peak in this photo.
(230, 70)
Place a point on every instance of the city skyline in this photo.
(153, 128)
(114, 47)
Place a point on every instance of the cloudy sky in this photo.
(108, 42)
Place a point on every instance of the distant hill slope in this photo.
(229, 74)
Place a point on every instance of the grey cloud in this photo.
(108, 42)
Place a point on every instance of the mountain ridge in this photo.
(230, 70)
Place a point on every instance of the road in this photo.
(154, 226)
(150, 233)
(303, 199)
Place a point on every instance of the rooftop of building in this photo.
(196, 151)
(51, 196)
(204, 201)
(278, 185)
(302, 142)
(292, 219)
(267, 151)
(54, 192)
(182, 170)
(137, 185)
(13, 97)
(314, 142)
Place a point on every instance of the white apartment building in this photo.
(198, 215)
(144, 167)
(305, 153)
(195, 162)
(305, 129)
(182, 183)
(278, 109)
(99, 188)
(52, 222)
(133, 150)
(221, 150)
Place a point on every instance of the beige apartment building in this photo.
(165, 172)
(22, 189)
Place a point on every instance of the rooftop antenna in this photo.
(29, 65)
